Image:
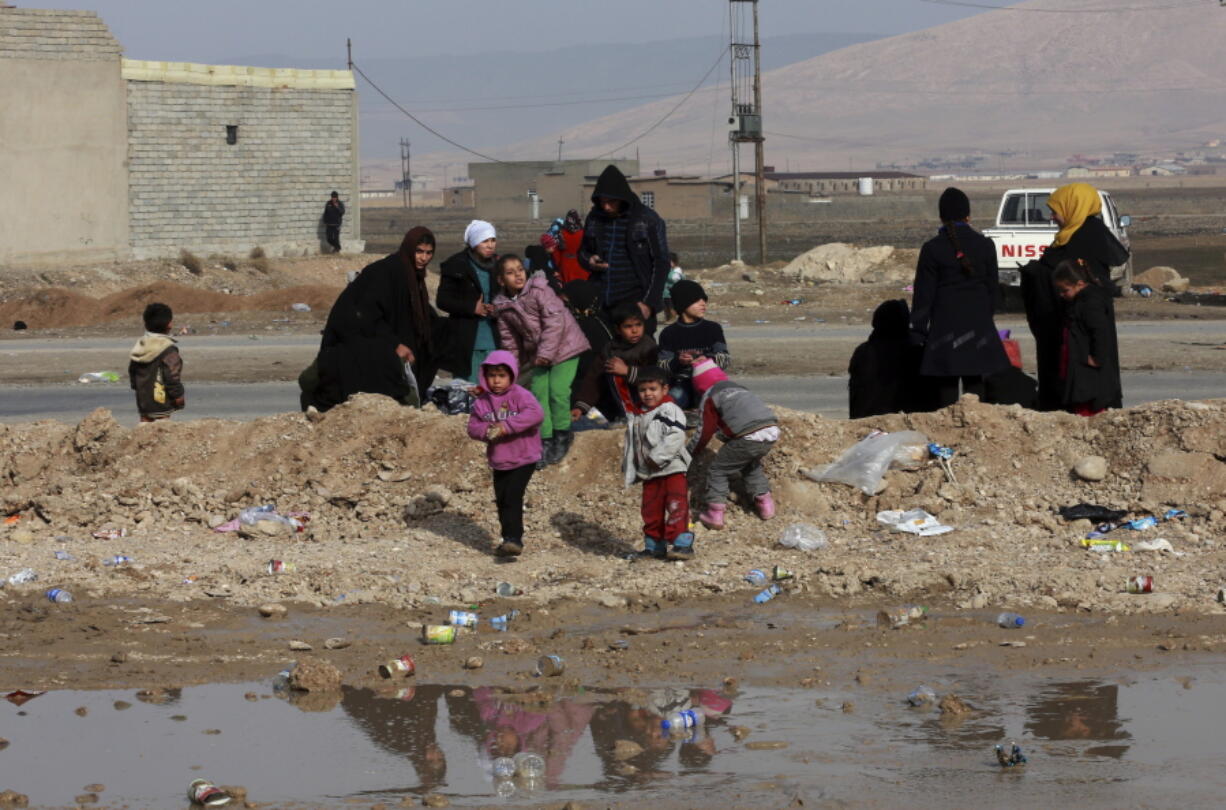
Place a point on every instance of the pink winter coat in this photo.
(536, 324)
(517, 409)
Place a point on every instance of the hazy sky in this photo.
(218, 31)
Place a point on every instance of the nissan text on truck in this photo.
(1024, 229)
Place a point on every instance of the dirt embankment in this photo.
(359, 468)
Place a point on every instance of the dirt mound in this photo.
(59, 307)
(357, 468)
(839, 263)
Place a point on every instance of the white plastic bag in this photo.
(914, 521)
(803, 537)
(863, 464)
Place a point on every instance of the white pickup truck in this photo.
(1024, 229)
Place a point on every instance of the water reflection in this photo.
(1079, 710)
(622, 728)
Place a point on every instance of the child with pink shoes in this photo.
(748, 429)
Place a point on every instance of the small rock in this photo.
(300, 646)
(214, 520)
(11, 798)
(80, 711)
(119, 658)
(626, 749)
(315, 675)
(336, 643)
(120, 705)
(86, 798)
(952, 704)
(766, 745)
(456, 693)
(22, 536)
(3, 743)
(213, 732)
(1177, 285)
(435, 800)
(1013, 644)
(849, 707)
(613, 601)
(273, 610)
(250, 697)
(739, 732)
(1091, 468)
(474, 662)
(96, 787)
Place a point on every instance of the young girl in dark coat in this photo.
(1090, 360)
(956, 289)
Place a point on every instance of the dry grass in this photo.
(192, 262)
(258, 260)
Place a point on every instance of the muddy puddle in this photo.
(1146, 740)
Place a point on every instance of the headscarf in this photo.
(478, 231)
(1072, 204)
(954, 205)
(419, 297)
(573, 221)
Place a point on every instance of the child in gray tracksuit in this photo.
(749, 430)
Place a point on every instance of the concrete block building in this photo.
(505, 191)
(108, 158)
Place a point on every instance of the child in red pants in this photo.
(655, 454)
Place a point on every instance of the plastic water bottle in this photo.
(503, 767)
(768, 594)
(254, 514)
(60, 554)
(1010, 620)
(922, 696)
(22, 577)
(681, 721)
(281, 682)
(59, 595)
(529, 765)
(500, 623)
(757, 577)
(118, 559)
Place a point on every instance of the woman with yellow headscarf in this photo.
(1076, 209)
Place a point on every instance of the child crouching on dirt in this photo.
(155, 368)
(508, 419)
(1090, 358)
(748, 428)
(655, 454)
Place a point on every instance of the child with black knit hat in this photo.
(690, 336)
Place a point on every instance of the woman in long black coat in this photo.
(466, 290)
(380, 322)
(956, 290)
(1083, 236)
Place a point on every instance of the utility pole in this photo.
(746, 120)
(560, 142)
(406, 172)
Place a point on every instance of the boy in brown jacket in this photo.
(155, 367)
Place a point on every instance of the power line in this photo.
(1098, 10)
(418, 121)
(669, 114)
(547, 104)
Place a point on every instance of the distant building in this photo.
(460, 197)
(821, 184)
(1162, 170)
(1085, 172)
(505, 191)
(117, 158)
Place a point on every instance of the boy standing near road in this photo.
(155, 368)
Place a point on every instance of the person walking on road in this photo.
(625, 248)
(334, 212)
(956, 290)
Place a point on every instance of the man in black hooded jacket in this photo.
(625, 247)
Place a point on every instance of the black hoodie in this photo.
(884, 370)
(637, 235)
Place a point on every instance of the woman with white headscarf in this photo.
(466, 292)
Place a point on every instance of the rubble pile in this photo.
(400, 511)
(839, 263)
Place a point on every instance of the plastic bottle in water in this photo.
(59, 595)
(22, 577)
(681, 721)
(529, 765)
(550, 665)
(504, 788)
(1010, 620)
(768, 594)
(281, 682)
(500, 623)
(503, 767)
(118, 559)
(757, 577)
(922, 696)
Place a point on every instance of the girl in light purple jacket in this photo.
(535, 325)
(507, 418)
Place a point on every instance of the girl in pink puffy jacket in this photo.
(536, 327)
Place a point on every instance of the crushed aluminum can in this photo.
(781, 574)
(279, 567)
(402, 666)
(438, 634)
(406, 693)
(1104, 545)
(1140, 584)
(462, 618)
(205, 793)
(549, 666)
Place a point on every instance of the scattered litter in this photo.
(793, 302)
(64, 555)
(1143, 290)
(11, 519)
(21, 696)
(1010, 758)
(1140, 584)
(1011, 620)
(1157, 544)
(453, 398)
(109, 534)
(500, 623)
(59, 595)
(944, 457)
(255, 514)
(118, 559)
(550, 666)
(914, 521)
(1103, 545)
(22, 577)
(803, 537)
(336, 643)
(278, 567)
(98, 376)
(922, 696)
(300, 307)
(865, 463)
(682, 722)
(401, 667)
(204, 793)
(768, 594)
(438, 634)
(900, 616)
(757, 576)
(507, 589)
(781, 574)
(1090, 512)
(463, 618)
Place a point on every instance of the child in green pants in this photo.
(536, 327)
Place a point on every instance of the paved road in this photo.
(824, 395)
